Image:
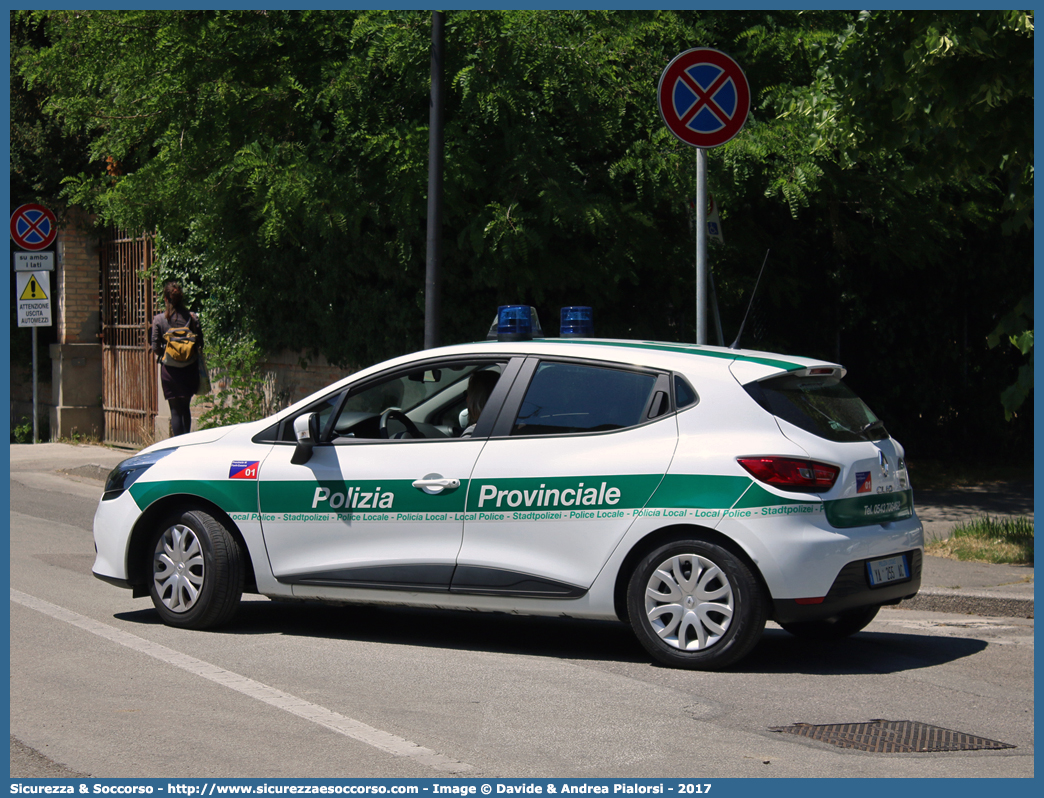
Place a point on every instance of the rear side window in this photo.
(684, 395)
(823, 406)
(564, 397)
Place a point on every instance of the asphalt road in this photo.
(99, 687)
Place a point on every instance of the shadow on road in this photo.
(562, 638)
(863, 653)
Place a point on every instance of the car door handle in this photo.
(434, 483)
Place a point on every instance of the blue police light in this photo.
(515, 323)
(577, 322)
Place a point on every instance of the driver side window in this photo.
(424, 402)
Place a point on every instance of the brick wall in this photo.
(293, 377)
(79, 315)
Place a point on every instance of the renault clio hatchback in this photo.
(691, 491)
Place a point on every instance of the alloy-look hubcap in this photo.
(689, 602)
(178, 568)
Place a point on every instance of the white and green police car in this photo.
(692, 491)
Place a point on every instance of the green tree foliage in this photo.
(290, 149)
(1017, 328)
(955, 86)
(282, 159)
(952, 94)
(41, 154)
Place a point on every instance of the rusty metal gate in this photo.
(129, 400)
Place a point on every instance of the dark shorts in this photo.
(179, 383)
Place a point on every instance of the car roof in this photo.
(652, 353)
(746, 365)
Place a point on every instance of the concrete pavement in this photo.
(946, 585)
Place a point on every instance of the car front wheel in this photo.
(694, 604)
(197, 571)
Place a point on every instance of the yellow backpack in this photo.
(181, 347)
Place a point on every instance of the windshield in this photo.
(823, 406)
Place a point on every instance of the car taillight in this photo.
(791, 473)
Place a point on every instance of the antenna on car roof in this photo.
(735, 344)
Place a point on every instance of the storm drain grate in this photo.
(892, 737)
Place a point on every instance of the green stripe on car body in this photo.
(674, 496)
(659, 346)
(701, 491)
(231, 495)
(868, 510)
(757, 496)
(690, 349)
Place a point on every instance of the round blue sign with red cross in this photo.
(33, 227)
(704, 97)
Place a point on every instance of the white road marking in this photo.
(357, 730)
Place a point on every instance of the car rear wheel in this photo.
(197, 571)
(841, 625)
(694, 604)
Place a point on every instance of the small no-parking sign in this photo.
(33, 227)
(704, 97)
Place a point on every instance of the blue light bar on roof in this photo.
(514, 323)
(577, 322)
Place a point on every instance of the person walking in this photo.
(176, 338)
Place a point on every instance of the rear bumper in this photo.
(851, 590)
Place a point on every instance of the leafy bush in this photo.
(22, 433)
(240, 391)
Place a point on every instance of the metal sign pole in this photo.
(435, 167)
(701, 246)
(36, 412)
(33, 230)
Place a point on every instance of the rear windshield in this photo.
(823, 406)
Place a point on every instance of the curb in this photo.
(971, 602)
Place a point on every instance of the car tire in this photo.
(694, 604)
(196, 571)
(841, 625)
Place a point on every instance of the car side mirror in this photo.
(306, 430)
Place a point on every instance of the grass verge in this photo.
(986, 539)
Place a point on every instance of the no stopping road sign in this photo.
(704, 97)
(33, 227)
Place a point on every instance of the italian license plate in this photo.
(892, 569)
